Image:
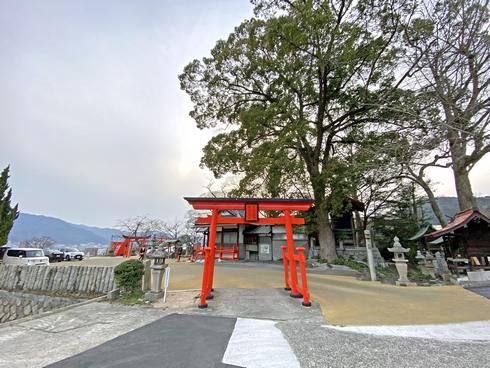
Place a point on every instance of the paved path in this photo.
(343, 299)
(110, 335)
(174, 341)
(347, 301)
(316, 347)
(41, 341)
(483, 291)
(474, 331)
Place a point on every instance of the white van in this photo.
(25, 257)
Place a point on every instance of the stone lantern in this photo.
(400, 262)
(157, 257)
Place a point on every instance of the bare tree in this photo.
(174, 228)
(42, 242)
(451, 41)
(138, 225)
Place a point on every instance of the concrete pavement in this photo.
(45, 340)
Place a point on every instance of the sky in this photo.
(92, 119)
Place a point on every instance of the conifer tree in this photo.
(8, 214)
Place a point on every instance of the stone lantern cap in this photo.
(397, 247)
(157, 255)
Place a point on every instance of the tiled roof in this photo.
(461, 219)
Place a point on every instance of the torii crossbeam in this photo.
(252, 208)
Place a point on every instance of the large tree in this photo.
(451, 41)
(8, 214)
(288, 87)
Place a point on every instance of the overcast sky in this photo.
(92, 118)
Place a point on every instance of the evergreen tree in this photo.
(8, 214)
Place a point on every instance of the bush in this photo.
(128, 275)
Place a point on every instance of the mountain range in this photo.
(449, 207)
(28, 226)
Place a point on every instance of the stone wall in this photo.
(70, 279)
(14, 305)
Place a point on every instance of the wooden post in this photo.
(285, 263)
(292, 263)
(304, 283)
(212, 247)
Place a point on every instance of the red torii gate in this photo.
(252, 206)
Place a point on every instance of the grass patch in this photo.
(417, 276)
(132, 298)
(387, 274)
(358, 266)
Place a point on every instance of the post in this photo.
(204, 284)
(285, 263)
(369, 250)
(212, 247)
(304, 282)
(146, 284)
(292, 263)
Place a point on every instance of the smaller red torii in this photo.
(252, 208)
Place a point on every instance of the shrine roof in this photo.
(460, 220)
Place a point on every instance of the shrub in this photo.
(128, 275)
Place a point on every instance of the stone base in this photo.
(405, 283)
(113, 294)
(153, 295)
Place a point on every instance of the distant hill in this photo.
(28, 226)
(449, 207)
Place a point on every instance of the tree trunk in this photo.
(457, 147)
(433, 204)
(326, 237)
(464, 192)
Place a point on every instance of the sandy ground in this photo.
(343, 299)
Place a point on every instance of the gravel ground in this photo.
(316, 346)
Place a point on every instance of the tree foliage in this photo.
(8, 214)
(291, 89)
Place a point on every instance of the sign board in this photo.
(251, 212)
(166, 281)
(265, 248)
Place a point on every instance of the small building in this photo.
(421, 239)
(256, 242)
(468, 235)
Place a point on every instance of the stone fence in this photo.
(15, 305)
(69, 279)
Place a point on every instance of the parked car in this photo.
(72, 253)
(54, 255)
(3, 250)
(25, 256)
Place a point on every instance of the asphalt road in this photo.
(483, 291)
(174, 341)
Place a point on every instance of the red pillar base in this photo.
(287, 289)
(306, 304)
(209, 297)
(297, 296)
(202, 306)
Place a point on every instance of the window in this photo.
(34, 253)
(13, 253)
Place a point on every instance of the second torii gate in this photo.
(252, 208)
